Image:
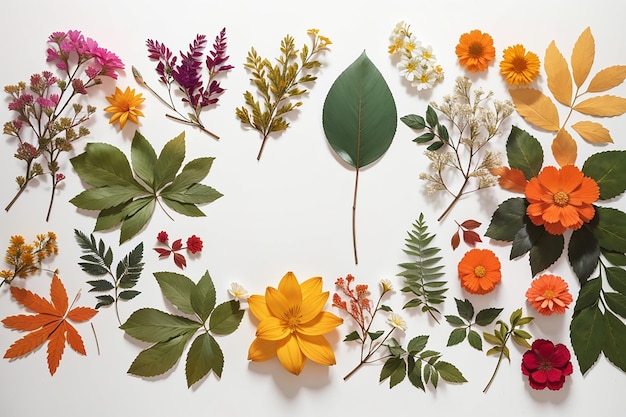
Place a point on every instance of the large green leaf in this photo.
(104, 165)
(615, 340)
(177, 288)
(524, 152)
(611, 229)
(589, 294)
(143, 158)
(225, 318)
(609, 171)
(193, 172)
(194, 194)
(186, 209)
(203, 297)
(103, 198)
(507, 220)
(359, 115)
(159, 358)
(583, 253)
(139, 212)
(169, 161)
(152, 325)
(546, 250)
(204, 355)
(587, 334)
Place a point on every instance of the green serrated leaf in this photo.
(465, 309)
(456, 336)
(169, 161)
(375, 335)
(189, 210)
(449, 372)
(105, 197)
(143, 158)
(152, 325)
(100, 284)
(508, 218)
(414, 121)
(395, 370)
(352, 336)
(587, 334)
(414, 373)
(616, 278)
(616, 258)
(194, 194)
(609, 172)
(583, 253)
(524, 152)
(159, 358)
(611, 229)
(225, 318)
(487, 316)
(128, 294)
(104, 165)
(417, 344)
(455, 321)
(204, 355)
(193, 172)
(177, 288)
(138, 219)
(432, 119)
(615, 340)
(616, 302)
(475, 340)
(203, 296)
(546, 250)
(104, 300)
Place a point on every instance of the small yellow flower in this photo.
(124, 106)
(397, 322)
(386, 285)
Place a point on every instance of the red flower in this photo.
(547, 365)
(194, 244)
(162, 237)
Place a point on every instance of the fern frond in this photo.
(422, 277)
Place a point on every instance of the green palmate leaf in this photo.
(225, 318)
(524, 152)
(457, 336)
(152, 325)
(449, 372)
(616, 302)
(395, 370)
(508, 218)
(104, 165)
(609, 171)
(587, 334)
(617, 279)
(583, 253)
(177, 288)
(474, 340)
(159, 358)
(588, 295)
(169, 161)
(202, 297)
(615, 340)
(487, 316)
(143, 158)
(359, 119)
(611, 229)
(204, 355)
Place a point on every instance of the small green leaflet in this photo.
(124, 199)
(359, 119)
(465, 320)
(170, 333)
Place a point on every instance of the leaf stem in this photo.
(456, 199)
(258, 157)
(369, 355)
(493, 376)
(356, 185)
(191, 123)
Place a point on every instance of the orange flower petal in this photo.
(272, 328)
(277, 304)
(322, 324)
(261, 350)
(290, 355)
(317, 349)
(311, 286)
(290, 288)
(258, 307)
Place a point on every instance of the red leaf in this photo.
(180, 260)
(163, 253)
(177, 245)
(56, 346)
(74, 339)
(456, 240)
(58, 295)
(470, 224)
(471, 237)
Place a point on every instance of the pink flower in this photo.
(547, 365)
(194, 244)
(109, 62)
(78, 86)
(45, 102)
(162, 236)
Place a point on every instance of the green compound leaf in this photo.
(524, 152)
(204, 356)
(152, 325)
(359, 119)
(609, 171)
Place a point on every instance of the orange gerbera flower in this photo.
(292, 324)
(124, 106)
(518, 66)
(479, 271)
(475, 50)
(561, 199)
(549, 294)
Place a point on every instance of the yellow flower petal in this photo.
(258, 307)
(312, 306)
(317, 349)
(290, 355)
(262, 350)
(322, 324)
(290, 288)
(311, 286)
(272, 328)
(277, 304)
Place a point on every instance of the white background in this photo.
(290, 211)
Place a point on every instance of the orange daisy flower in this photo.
(519, 67)
(124, 106)
(561, 199)
(549, 294)
(475, 50)
(479, 271)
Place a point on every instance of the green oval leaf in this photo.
(203, 297)
(225, 318)
(583, 253)
(159, 358)
(616, 278)
(177, 288)
(615, 340)
(152, 325)
(508, 218)
(609, 171)
(143, 158)
(456, 336)
(359, 115)
(587, 334)
(546, 250)
(204, 355)
(616, 302)
(611, 229)
(169, 161)
(589, 294)
(414, 121)
(524, 152)
(474, 340)
(487, 316)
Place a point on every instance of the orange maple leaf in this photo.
(50, 323)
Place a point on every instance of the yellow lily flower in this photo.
(292, 324)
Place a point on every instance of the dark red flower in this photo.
(162, 237)
(194, 244)
(547, 365)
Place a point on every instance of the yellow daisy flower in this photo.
(124, 106)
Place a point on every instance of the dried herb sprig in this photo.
(278, 83)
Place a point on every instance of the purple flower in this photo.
(45, 102)
(78, 86)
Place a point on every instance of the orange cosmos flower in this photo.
(475, 50)
(561, 199)
(292, 324)
(479, 271)
(549, 294)
(519, 67)
(124, 106)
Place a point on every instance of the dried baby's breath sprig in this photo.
(278, 83)
(474, 123)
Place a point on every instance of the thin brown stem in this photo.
(456, 199)
(258, 157)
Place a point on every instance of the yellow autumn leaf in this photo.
(564, 148)
(607, 78)
(593, 132)
(559, 77)
(582, 56)
(536, 108)
(602, 106)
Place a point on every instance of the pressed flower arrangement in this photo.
(566, 209)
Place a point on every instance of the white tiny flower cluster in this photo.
(417, 62)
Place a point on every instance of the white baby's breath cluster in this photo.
(417, 61)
